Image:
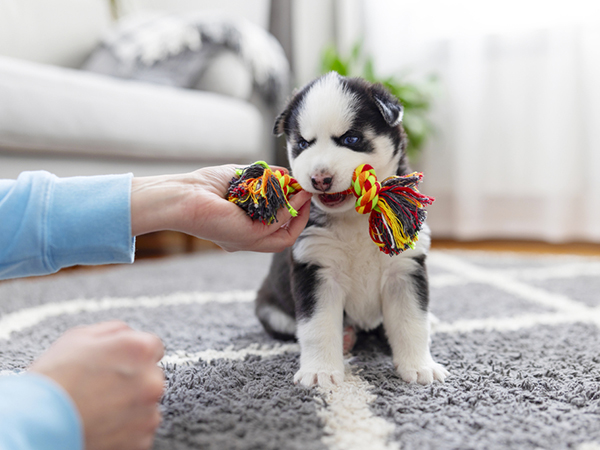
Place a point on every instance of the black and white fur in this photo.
(334, 275)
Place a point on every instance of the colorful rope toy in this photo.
(396, 208)
(261, 192)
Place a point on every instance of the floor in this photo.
(573, 248)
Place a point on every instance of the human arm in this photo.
(47, 222)
(195, 204)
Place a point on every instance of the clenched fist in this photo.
(111, 373)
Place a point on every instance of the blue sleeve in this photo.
(37, 414)
(47, 223)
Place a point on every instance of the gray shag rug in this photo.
(520, 335)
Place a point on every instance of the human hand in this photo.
(195, 204)
(111, 373)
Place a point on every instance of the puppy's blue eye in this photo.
(302, 144)
(350, 140)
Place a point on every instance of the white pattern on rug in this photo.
(29, 317)
(349, 422)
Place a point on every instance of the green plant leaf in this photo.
(369, 71)
(356, 52)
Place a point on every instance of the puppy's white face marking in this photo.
(328, 112)
(327, 109)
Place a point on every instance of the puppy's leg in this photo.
(274, 304)
(275, 321)
(349, 338)
(406, 322)
(320, 313)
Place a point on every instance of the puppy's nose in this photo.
(322, 182)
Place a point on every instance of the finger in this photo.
(154, 346)
(297, 224)
(137, 346)
(153, 385)
(229, 170)
(280, 168)
(110, 327)
(141, 427)
(286, 235)
(156, 420)
(300, 199)
(146, 442)
(289, 233)
(216, 179)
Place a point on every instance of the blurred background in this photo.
(502, 98)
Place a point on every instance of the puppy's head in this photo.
(333, 125)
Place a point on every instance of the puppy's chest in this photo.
(349, 258)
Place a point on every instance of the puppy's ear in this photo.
(279, 127)
(390, 109)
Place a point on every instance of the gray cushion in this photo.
(176, 49)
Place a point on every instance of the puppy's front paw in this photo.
(320, 377)
(425, 373)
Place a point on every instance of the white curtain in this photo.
(517, 148)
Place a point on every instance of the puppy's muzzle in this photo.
(322, 182)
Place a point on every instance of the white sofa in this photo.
(56, 117)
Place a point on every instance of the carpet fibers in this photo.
(520, 335)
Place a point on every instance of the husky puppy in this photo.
(335, 277)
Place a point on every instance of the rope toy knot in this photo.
(366, 188)
(395, 206)
(288, 184)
